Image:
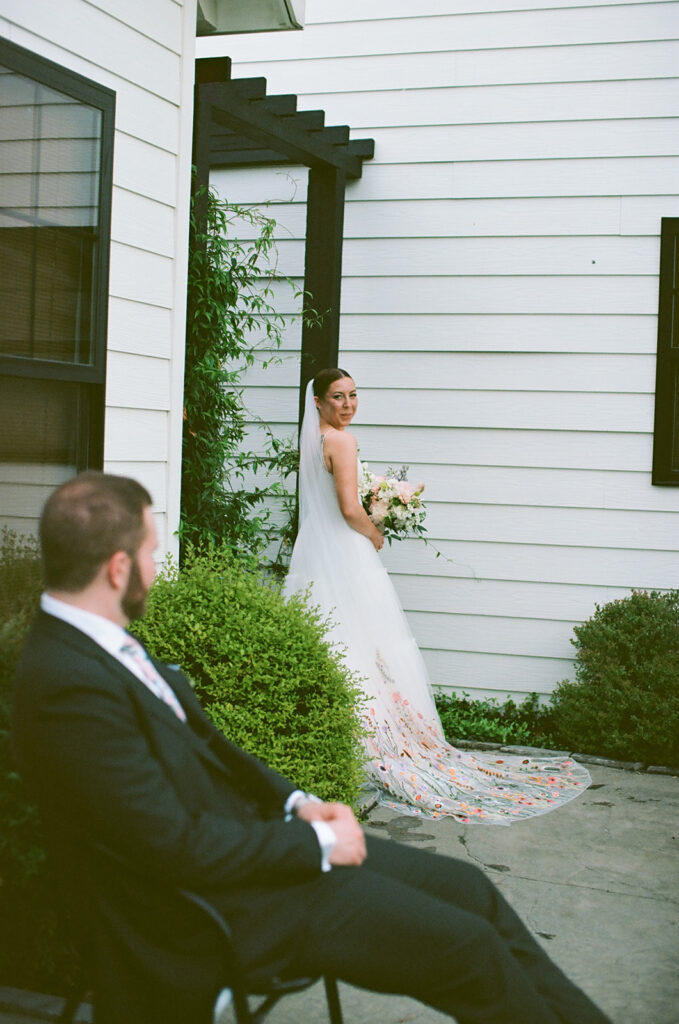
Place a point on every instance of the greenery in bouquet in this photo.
(394, 505)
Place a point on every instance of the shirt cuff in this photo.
(325, 834)
(296, 798)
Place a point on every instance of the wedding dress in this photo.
(410, 765)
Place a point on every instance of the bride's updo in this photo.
(324, 378)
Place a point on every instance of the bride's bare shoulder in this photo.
(340, 441)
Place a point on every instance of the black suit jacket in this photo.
(111, 765)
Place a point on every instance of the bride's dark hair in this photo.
(324, 378)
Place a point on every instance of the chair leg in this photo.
(241, 1007)
(332, 995)
(70, 1008)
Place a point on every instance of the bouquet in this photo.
(393, 504)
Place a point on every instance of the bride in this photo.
(409, 762)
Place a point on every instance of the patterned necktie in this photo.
(135, 655)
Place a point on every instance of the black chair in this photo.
(265, 994)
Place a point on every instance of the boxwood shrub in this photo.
(262, 668)
(625, 700)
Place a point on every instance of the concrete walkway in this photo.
(597, 881)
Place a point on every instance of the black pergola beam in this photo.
(247, 88)
(235, 151)
(237, 124)
(337, 135)
(283, 106)
(310, 120)
(249, 158)
(363, 148)
(282, 135)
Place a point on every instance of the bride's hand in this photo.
(377, 539)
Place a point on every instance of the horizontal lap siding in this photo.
(359, 10)
(499, 301)
(144, 52)
(555, 63)
(451, 33)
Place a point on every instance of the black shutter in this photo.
(666, 430)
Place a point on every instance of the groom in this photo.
(118, 754)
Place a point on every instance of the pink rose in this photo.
(378, 511)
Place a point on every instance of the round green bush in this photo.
(262, 669)
(625, 701)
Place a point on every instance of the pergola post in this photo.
(208, 70)
(322, 272)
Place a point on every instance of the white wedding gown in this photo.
(411, 766)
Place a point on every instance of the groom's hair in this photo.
(84, 522)
(324, 378)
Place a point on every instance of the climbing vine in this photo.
(232, 494)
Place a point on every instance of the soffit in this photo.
(228, 17)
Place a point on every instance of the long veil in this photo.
(322, 529)
(309, 463)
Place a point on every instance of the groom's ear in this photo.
(118, 570)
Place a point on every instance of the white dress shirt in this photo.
(112, 637)
(105, 633)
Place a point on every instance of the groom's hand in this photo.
(319, 810)
(349, 849)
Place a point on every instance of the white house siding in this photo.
(144, 51)
(499, 301)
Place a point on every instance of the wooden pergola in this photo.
(237, 124)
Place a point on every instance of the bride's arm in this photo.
(341, 450)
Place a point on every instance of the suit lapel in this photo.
(208, 742)
(211, 743)
(197, 730)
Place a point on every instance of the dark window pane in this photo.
(45, 293)
(49, 189)
(39, 421)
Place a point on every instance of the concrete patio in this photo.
(597, 881)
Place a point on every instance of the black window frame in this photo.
(667, 363)
(92, 376)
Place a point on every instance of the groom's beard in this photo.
(133, 601)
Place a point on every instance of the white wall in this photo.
(499, 300)
(143, 51)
